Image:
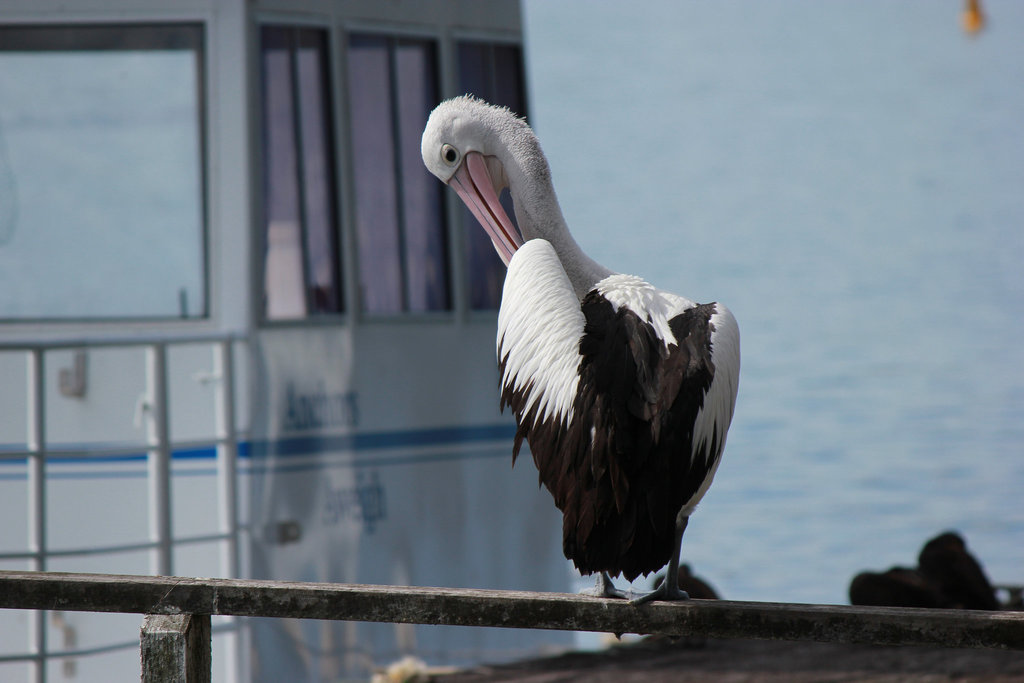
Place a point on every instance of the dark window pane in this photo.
(400, 227)
(474, 69)
(494, 73)
(301, 268)
(322, 280)
(426, 249)
(283, 268)
(373, 149)
(508, 77)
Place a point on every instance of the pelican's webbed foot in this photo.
(668, 590)
(604, 588)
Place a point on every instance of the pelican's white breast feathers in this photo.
(539, 328)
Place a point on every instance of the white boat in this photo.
(244, 333)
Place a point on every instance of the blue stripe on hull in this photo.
(259, 452)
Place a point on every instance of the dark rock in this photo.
(948, 565)
(898, 587)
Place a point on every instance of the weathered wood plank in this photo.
(510, 609)
(176, 648)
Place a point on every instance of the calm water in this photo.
(848, 177)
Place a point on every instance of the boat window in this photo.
(493, 72)
(399, 212)
(101, 172)
(301, 267)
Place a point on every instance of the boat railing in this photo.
(156, 449)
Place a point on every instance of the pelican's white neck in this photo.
(538, 212)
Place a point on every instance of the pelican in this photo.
(624, 392)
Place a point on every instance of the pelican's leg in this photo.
(669, 588)
(604, 588)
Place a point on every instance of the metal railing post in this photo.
(36, 442)
(227, 453)
(227, 483)
(159, 460)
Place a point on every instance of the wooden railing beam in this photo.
(509, 609)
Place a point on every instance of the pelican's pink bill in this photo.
(473, 184)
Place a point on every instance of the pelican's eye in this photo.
(449, 155)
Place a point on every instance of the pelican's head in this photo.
(467, 144)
